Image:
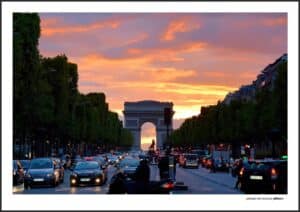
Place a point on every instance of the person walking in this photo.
(163, 166)
(142, 177)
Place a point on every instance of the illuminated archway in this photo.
(148, 134)
(138, 113)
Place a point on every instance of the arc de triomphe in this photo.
(138, 113)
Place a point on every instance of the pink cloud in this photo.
(184, 24)
(48, 29)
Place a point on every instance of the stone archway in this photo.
(138, 113)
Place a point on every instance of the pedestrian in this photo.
(142, 177)
(238, 173)
(163, 166)
(213, 165)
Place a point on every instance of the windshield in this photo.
(129, 163)
(86, 165)
(41, 164)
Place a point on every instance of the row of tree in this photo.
(47, 105)
(258, 121)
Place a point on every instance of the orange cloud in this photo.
(217, 74)
(275, 21)
(139, 38)
(181, 25)
(49, 30)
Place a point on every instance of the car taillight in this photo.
(273, 173)
(168, 185)
(242, 171)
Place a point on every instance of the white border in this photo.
(146, 202)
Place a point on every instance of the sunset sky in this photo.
(191, 59)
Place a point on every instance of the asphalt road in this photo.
(198, 181)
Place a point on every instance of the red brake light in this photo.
(273, 172)
(168, 185)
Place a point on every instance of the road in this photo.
(199, 181)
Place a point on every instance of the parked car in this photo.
(188, 160)
(42, 171)
(87, 173)
(266, 176)
(25, 164)
(18, 173)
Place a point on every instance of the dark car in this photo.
(18, 173)
(128, 167)
(264, 177)
(87, 173)
(188, 160)
(42, 171)
(221, 165)
(201, 153)
(206, 161)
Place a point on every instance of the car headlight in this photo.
(50, 175)
(28, 175)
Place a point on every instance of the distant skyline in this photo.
(191, 59)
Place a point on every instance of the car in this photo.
(264, 176)
(112, 159)
(188, 160)
(201, 153)
(42, 171)
(206, 161)
(128, 167)
(221, 165)
(87, 173)
(25, 164)
(18, 173)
